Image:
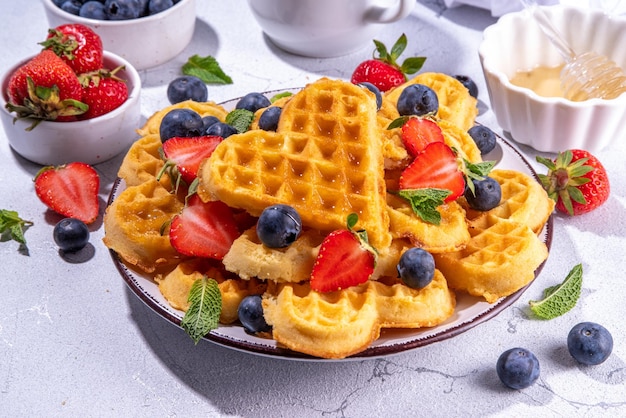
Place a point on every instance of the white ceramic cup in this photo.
(326, 28)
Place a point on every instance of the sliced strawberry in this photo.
(203, 229)
(70, 190)
(417, 133)
(435, 167)
(188, 152)
(345, 259)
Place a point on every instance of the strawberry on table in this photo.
(204, 229)
(345, 259)
(418, 132)
(186, 154)
(576, 180)
(78, 45)
(70, 190)
(383, 70)
(103, 92)
(45, 88)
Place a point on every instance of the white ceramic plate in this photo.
(470, 311)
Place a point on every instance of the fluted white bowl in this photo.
(552, 124)
(145, 42)
(90, 141)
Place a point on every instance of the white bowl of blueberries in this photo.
(147, 33)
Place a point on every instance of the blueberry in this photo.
(72, 6)
(417, 99)
(71, 234)
(484, 138)
(416, 268)
(180, 122)
(487, 194)
(157, 6)
(469, 84)
(58, 3)
(187, 87)
(375, 90)
(125, 9)
(93, 10)
(221, 129)
(250, 312)
(589, 343)
(279, 226)
(253, 102)
(208, 121)
(269, 118)
(518, 368)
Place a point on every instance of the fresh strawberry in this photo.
(45, 88)
(576, 180)
(417, 133)
(103, 92)
(79, 46)
(382, 70)
(436, 167)
(70, 190)
(345, 259)
(203, 229)
(186, 154)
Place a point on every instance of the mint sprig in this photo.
(560, 299)
(12, 226)
(204, 310)
(240, 119)
(424, 202)
(206, 69)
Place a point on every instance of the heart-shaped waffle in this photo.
(325, 160)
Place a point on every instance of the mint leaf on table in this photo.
(13, 226)
(424, 202)
(206, 69)
(240, 119)
(559, 299)
(204, 310)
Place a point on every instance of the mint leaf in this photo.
(398, 122)
(559, 299)
(13, 226)
(207, 69)
(279, 96)
(240, 119)
(424, 202)
(204, 310)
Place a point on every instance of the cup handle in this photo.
(380, 14)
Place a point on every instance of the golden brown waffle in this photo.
(176, 284)
(500, 258)
(202, 108)
(142, 162)
(455, 103)
(325, 161)
(345, 322)
(132, 225)
(523, 200)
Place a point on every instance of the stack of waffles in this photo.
(332, 155)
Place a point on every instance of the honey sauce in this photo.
(545, 81)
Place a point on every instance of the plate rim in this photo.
(372, 351)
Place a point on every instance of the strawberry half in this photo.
(186, 153)
(204, 229)
(382, 70)
(417, 133)
(78, 45)
(70, 190)
(103, 92)
(436, 167)
(576, 180)
(345, 259)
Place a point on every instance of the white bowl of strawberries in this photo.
(57, 109)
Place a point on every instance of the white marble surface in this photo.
(74, 341)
